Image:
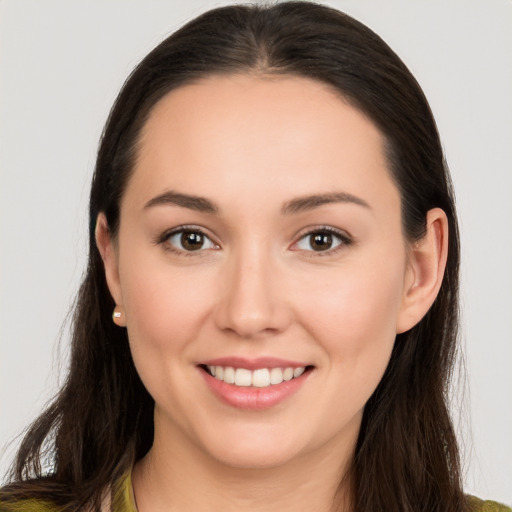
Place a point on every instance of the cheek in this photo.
(165, 307)
(354, 314)
(165, 310)
(353, 319)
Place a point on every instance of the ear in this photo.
(425, 271)
(108, 252)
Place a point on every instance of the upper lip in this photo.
(253, 364)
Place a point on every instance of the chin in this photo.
(254, 461)
(258, 452)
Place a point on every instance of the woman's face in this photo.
(260, 236)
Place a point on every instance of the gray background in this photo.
(62, 63)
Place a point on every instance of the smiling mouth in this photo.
(259, 378)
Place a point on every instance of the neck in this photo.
(179, 476)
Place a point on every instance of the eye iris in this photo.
(192, 241)
(321, 241)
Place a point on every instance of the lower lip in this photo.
(253, 398)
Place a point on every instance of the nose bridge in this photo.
(250, 303)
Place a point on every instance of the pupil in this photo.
(321, 241)
(192, 241)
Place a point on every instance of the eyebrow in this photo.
(298, 205)
(200, 204)
(302, 204)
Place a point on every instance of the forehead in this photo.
(289, 134)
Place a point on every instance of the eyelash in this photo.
(163, 239)
(343, 239)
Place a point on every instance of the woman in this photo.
(269, 313)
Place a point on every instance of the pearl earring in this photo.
(116, 315)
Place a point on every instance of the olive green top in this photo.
(478, 505)
(123, 501)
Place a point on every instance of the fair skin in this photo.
(262, 270)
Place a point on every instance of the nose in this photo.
(252, 299)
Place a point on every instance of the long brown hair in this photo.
(101, 422)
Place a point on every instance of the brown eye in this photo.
(192, 240)
(189, 240)
(320, 241)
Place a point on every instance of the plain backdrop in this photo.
(62, 63)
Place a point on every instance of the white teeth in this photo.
(229, 375)
(298, 371)
(243, 377)
(260, 378)
(276, 376)
(288, 374)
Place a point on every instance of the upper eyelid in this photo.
(164, 241)
(342, 234)
(345, 238)
(316, 229)
(178, 229)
